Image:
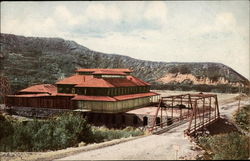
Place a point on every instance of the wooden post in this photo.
(195, 108)
(172, 107)
(210, 108)
(239, 103)
(217, 113)
(161, 118)
(203, 117)
(181, 109)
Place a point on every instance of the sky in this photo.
(180, 31)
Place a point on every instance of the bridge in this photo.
(200, 110)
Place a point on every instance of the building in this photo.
(103, 91)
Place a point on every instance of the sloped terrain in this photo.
(32, 60)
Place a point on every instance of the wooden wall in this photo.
(60, 102)
(110, 91)
(113, 107)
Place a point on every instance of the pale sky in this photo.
(191, 31)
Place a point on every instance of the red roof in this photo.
(133, 96)
(91, 81)
(137, 81)
(112, 82)
(95, 82)
(75, 79)
(41, 88)
(29, 95)
(109, 72)
(93, 98)
(120, 82)
(104, 69)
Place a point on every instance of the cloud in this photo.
(103, 12)
(156, 12)
(64, 16)
(62, 12)
(156, 30)
(223, 22)
(225, 18)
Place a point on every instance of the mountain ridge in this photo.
(46, 60)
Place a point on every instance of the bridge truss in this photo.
(199, 110)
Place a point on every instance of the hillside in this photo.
(32, 60)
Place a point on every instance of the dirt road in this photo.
(150, 147)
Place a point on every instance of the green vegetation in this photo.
(222, 88)
(242, 118)
(104, 134)
(55, 133)
(183, 69)
(231, 146)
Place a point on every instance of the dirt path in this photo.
(228, 110)
(150, 147)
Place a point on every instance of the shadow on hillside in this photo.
(221, 126)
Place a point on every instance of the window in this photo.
(60, 90)
(145, 121)
(73, 90)
(112, 76)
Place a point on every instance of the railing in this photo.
(170, 122)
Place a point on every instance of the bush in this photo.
(242, 118)
(184, 69)
(6, 127)
(232, 146)
(56, 133)
(221, 88)
(103, 134)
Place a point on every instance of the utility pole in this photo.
(240, 93)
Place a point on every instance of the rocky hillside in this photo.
(32, 60)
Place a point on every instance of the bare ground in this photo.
(157, 147)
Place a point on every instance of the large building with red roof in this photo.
(94, 90)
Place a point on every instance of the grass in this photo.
(242, 118)
(102, 134)
(231, 146)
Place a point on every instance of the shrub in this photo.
(6, 127)
(56, 133)
(242, 118)
(103, 134)
(173, 70)
(184, 69)
(75, 127)
(232, 146)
